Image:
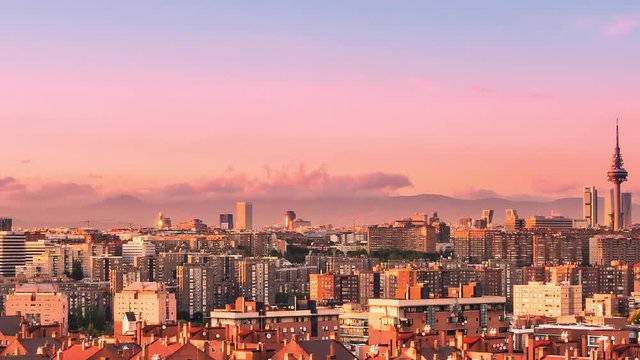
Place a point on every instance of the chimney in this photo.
(59, 355)
(443, 337)
(566, 354)
(165, 341)
(69, 341)
(84, 345)
(436, 345)
(459, 339)
(145, 352)
(139, 332)
(24, 330)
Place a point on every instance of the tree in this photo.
(76, 270)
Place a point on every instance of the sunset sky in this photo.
(249, 99)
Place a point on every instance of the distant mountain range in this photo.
(126, 209)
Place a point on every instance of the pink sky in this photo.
(92, 111)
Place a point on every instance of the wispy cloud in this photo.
(483, 91)
(548, 186)
(472, 193)
(621, 25)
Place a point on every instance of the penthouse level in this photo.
(303, 319)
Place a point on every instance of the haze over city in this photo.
(287, 100)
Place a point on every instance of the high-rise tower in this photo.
(590, 205)
(617, 175)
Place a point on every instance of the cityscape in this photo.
(119, 238)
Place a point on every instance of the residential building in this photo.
(472, 315)
(257, 279)
(149, 302)
(137, 247)
(303, 317)
(41, 304)
(546, 299)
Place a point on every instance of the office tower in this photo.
(548, 222)
(39, 304)
(137, 248)
(487, 216)
(625, 210)
(12, 252)
(590, 205)
(244, 215)
(627, 220)
(512, 221)
(617, 175)
(226, 221)
(6, 224)
(164, 222)
(289, 216)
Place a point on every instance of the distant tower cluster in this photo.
(244, 216)
(289, 218)
(617, 175)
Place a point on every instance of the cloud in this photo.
(10, 184)
(483, 91)
(546, 186)
(621, 25)
(292, 182)
(472, 193)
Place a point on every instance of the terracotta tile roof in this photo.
(75, 352)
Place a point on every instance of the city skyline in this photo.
(133, 103)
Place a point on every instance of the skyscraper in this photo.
(627, 220)
(487, 216)
(244, 215)
(12, 252)
(289, 216)
(625, 209)
(6, 224)
(590, 205)
(226, 221)
(617, 175)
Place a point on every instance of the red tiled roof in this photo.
(157, 347)
(195, 330)
(245, 332)
(75, 352)
(471, 339)
(405, 336)
(542, 343)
